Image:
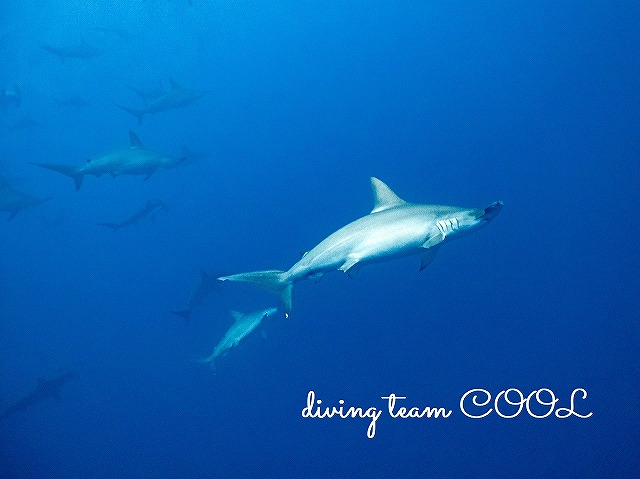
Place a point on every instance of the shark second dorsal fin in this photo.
(236, 315)
(135, 141)
(174, 84)
(383, 197)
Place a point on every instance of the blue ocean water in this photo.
(457, 103)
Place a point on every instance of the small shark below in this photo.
(14, 201)
(175, 97)
(46, 388)
(243, 325)
(393, 229)
(134, 160)
(149, 208)
(206, 284)
(81, 51)
(10, 96)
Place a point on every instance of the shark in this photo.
(14, 201)
(175, 97)
(206, 284)
(46, 388)
(10, 96)
(134, 160)
(149, 208)
(81, 51)
(243, 325)
(393, 229)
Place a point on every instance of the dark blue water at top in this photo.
(459, 103)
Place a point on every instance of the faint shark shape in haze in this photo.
(175, 97)
(151, 206)
(134, 160)
(81, 51)
(244, 324)
(10, 96)
(45, 389)
(14, 201)
(207, 284)
(393, 229)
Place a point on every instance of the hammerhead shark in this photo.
(14, 201)
(149, 208)
(45, 389)
(393, 229)
(175, 97)
(81, 51)
(10, 96)
(206, 284)
(244, 324)
(134, 160)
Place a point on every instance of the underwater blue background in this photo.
(457, 102)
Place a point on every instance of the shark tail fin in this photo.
(137, 113)
(113, 226)
(273, 280)
(69, 170)
(183, 313)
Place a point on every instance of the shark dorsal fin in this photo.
(383, 197)
(236, 315)
(174, 84)
(135, 141)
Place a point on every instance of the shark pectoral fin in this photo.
(426, 256)
(351, 266)
(237, 316)
(434, 240)
(149, 175)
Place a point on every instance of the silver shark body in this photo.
(13, 201)
(175, 97)
(134, 160)
(207, 284)
(393, 229)
(244, 324)
(80, 51)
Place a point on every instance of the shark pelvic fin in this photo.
(383, 196)
(351, 266)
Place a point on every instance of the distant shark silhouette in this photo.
(45, 389)
(134, 160)
(176, 97)
(207, 284)
(393, 229)
(10, 96)
(14, 201)
(81, 51)
(244, 324)
(151, 206)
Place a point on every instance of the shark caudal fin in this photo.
(272, 280)
(184, 314)
(139, 114)
(69, 170)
